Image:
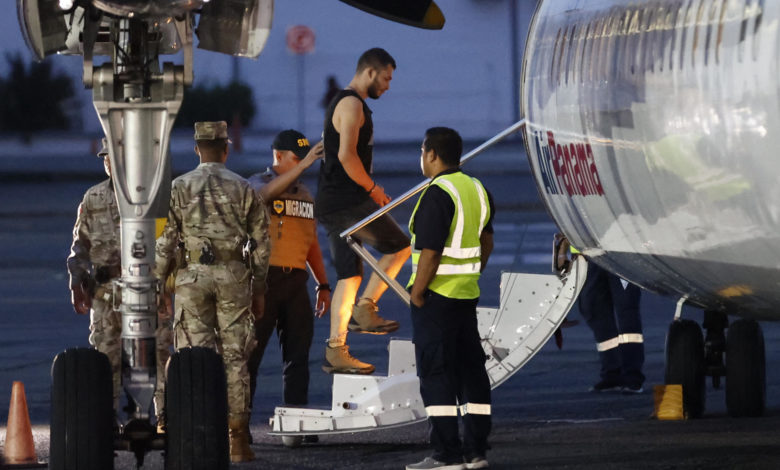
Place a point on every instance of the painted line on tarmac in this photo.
(577, 421)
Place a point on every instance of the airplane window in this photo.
(721, 25)
(552, 58)
(708, 39)
(617, 46)
(743, 29)
(674, 28)
(650, 40)
(696, 27)
(561, 52)
(756, 27)
(587, 51)
(570, 46)
(687, 20)
(604, 51)
(633, 52)
(753, 8)
(598, 49)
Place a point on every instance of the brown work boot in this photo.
(239, 440)
(365, 319)
(161, 428)
(338, 360)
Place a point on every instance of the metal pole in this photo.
(392, 283)
(301, 94)
(408, 194)
(514, 51)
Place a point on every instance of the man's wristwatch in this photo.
(320, 287)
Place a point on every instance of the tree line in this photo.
(35, 97)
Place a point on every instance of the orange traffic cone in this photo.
(19, 446)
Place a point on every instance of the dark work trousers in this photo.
(451, 367)
(288, 309)
(612, 312)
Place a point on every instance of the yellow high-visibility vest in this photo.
(458, 273)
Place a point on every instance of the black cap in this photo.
(292, 140)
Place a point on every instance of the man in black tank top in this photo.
(346, 194)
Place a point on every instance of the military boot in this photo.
(338, 360)
(365, 319)
(239, 440)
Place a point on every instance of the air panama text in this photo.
(567, 168)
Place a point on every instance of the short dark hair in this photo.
(376, 58)
(212, 148)
(446, 143)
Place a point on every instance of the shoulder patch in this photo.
(278, 206)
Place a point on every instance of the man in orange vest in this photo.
(294, 246)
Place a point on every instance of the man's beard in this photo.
(373, 91)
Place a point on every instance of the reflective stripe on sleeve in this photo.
(608, 344)
(475, 409)
(631, 338)
(442, 410)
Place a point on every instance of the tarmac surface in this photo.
(543, 417)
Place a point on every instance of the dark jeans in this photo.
(451, 367)
(288, 309)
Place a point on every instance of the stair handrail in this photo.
(368, 257)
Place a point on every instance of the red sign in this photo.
(300, 39)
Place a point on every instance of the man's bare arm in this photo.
(348, 118)
(486, 244)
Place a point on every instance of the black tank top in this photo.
(335, 189)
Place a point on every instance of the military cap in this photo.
(292, 140)
(211, 130)
(103, 148)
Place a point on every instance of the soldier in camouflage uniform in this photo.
(217, 216)
(94, 263)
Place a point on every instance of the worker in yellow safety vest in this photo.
(452, 237)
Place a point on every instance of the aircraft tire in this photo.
(685, 364)
(196, 411)
(82, 415)
(745, 369)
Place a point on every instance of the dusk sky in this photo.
(460, 76)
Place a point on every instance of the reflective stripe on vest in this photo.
(460, 265)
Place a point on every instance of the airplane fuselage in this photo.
(652, 134)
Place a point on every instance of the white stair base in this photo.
(532, 307)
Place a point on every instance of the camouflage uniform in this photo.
(213, 213)
(94, 262)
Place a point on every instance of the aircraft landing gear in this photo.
(689, 359)
(715, 345)
(685, 364)
(745, 369)
(82, 416)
